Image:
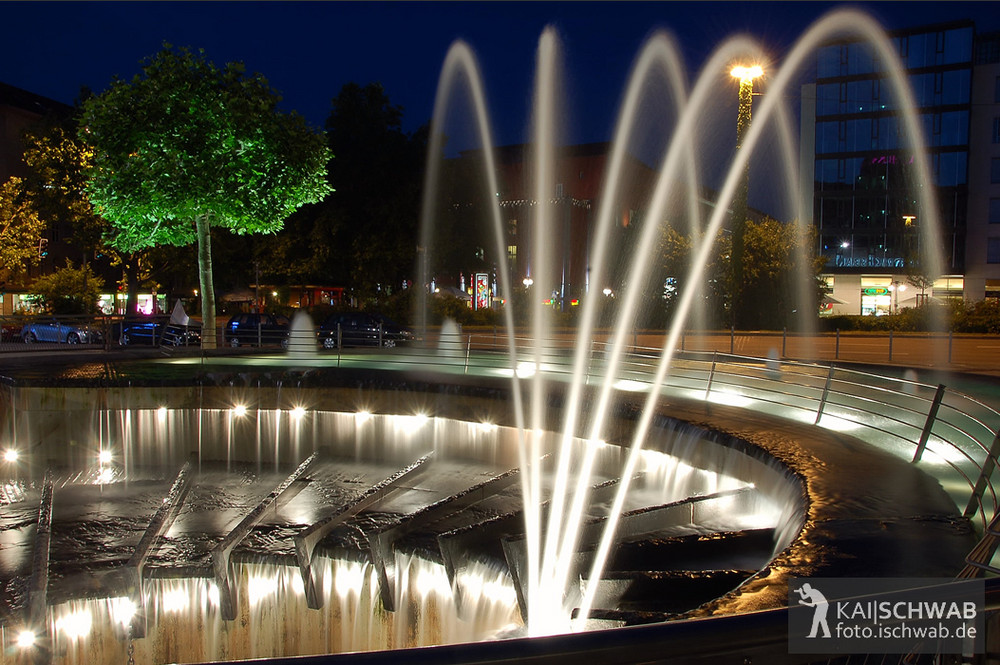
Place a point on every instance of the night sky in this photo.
(308, 50)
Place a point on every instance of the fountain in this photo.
(302, 337)
(264, 511)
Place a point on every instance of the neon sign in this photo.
(482, 299)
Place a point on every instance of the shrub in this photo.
(69, 290)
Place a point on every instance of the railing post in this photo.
(976, 500)
(340, 344)
(890, 346)
(711, 375)
(826, 394)
(732, 341)
(784, 342)
(931, 416)
(949, 346)
(468, 352)
(836, 352)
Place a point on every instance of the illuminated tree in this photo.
(185, 146)
(69, 290)
(20, 230)
(59, 162)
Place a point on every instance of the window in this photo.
(994, 211)
(993, 250)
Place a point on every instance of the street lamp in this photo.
(746, 75)
(896, 288)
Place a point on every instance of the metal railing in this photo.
(950, 434)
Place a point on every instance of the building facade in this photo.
(577, 183)
(861, 167)
(982, 256)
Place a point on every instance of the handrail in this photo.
(892, 413)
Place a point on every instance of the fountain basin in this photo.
(443, 558)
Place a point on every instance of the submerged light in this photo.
(239, 410)
(104, 457)
(26, 638)
(10, 455)
(122, 610)
(298, 412)
(75, 624)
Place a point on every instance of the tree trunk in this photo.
(131, 285)
(208, 332)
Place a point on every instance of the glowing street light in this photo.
(746, 75)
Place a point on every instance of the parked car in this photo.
(362, 329)
(249, 328)
(62, 332)
(10, 332)
(154, 332)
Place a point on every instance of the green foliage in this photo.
(69, 290)
(444, 307)
(775, 257)
(977, 317)
(185, 138)
(58, 162)
(958, 316)
(20, 229)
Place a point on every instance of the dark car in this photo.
(63, 332)
(362, 329)
(250, 328)
(10, 332)
(157, 332)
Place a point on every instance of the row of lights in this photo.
(104, 456)
(348, 579)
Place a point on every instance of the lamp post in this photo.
(746, 75)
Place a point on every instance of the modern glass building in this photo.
(861, 166)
